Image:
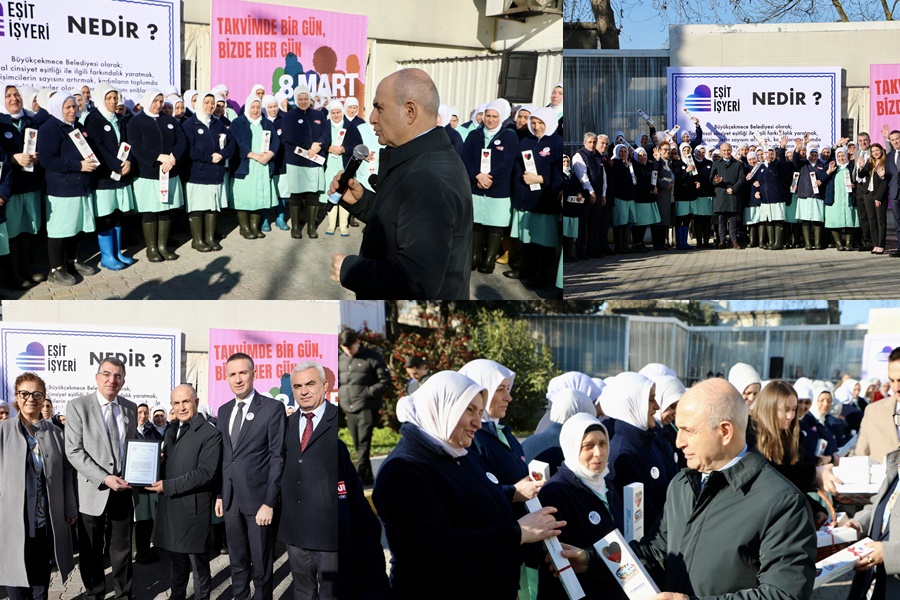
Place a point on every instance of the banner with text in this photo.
(131, 44)
(67, 357)
(884, 98)
(876, 349)
(282, 47)
(275, 355)
(736, 104)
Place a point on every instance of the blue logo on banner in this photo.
(883, 354)
(700, 100)
(33, 359)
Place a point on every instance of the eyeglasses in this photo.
(107, 375)
(25, 395)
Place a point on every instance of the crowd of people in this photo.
(252, 474)
(737, 476)
(76, 163)
(771, 194)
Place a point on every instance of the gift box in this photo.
(616, 554)
(829, 536)
(846, 448)
(843, 562)
(554, 549)
(633, 498)
(538, 470)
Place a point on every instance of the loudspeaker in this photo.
(776, 366)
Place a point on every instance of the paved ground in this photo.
(737, 274)
(276, 267)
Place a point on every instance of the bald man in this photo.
(418, 237)
(732, 524)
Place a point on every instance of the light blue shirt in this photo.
(733, 462)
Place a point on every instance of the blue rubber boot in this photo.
(126, 260)
(265, 222)
(107, 243)
(280, 223)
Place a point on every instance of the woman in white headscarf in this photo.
(585, 497)
(273, 113)
(810, 200)
(746, 380)
(254, 183)
(544, 446)
(231, 107)
(489, 154)
(258, 91)
(189, 97)
(556, 103)
(113, 196)
(816, 438)
(669, 391)
(841, 216)
(70, 187)
(23, 207)
(341, 137)
(474, 121)
(206, 195)
(637, 452)
(521, 118)
(432, 488)
(575, 380)
(158, 145)
(444, 121)
(304, 128)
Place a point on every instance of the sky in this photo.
(853, 312)
(643, 27)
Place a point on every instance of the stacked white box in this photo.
(616, 554)
(829, 536)
(538, 470)
(843, 562)
(633, 498)
(566, 574)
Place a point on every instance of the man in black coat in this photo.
(364, 380)
(309, 523)
(727, 176)
(191, 469)
(418, 238)
(252, 428)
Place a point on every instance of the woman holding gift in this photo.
(841, 217)
(158, 144)
(206, 180)
(114, 196)
(341, 137)
(432, 490)
(304, 129)
(811, 198)
(254, 184)
(584, 495)
(70, 187)
(275, 116)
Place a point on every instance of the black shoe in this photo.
(83, 269)
(61, 277)
(514, 274)
(895, 253)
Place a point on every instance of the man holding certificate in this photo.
(187, 487)
(97, 428)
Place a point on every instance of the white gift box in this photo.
(616, 554)
(794, 181)
(829, 536)
(538, 470)
(633, 498)
(841, 519)
(876, 474)
(843, 562)
(528, 160)
(30, 146)
(319, 160)
(124, 151)
(486, 161)
(846, 448)
(554, 549)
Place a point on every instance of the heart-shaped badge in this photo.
(527, 156)
(613, 552)
(537, 476)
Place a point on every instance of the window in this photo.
(517, 75)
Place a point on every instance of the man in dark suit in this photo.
(893, 168)
(418, 238)
(97, 426)
(190, 475)
(309, 526)
(727, 176)
(252, 428)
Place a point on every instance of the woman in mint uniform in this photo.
(304, 127)
(274, 115)
(254, 179)
(114, 195)
(490, 191)
(841, 217)
(340, 151)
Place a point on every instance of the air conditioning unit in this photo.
(519, 9)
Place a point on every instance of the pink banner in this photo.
(281, 47)
(884, 99)
(275, 354)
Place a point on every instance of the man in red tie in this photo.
(309, 487)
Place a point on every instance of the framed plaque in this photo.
(141, 462)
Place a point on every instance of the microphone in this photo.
(359, 155)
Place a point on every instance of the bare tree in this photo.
(607, 31)
(781, 11)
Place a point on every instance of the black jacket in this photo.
(151, 137)
(418, 237)
(12, 141)
(544, 446)
(547, 153)
(203, 142)
(732, 176)
(506, 463)
(504, 149)
(309, 518)
(191, 473)
(62, 160)
(364, 380)
(301, 129)
(103, 142)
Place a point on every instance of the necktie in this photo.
(112, 428)
(307, 431)
(236, 425)
(181, 429)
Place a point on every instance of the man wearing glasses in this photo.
(97, 427)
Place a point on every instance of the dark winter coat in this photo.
(62, 160)
(732, 176)
(151, 137)
(504, 148)
(364, 380)
(203, 142)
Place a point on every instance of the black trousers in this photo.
(119, 514)
(182, 565)
(251, 551)
(38, 552)
(876, 220)
(361, 425)
(728, 225)
(314, 573)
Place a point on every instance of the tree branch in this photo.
(840, 10)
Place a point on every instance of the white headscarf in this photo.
(250, 100)
(478, 109)
(43, 98)
(814, 409)
(444, 113)
(551, 123)
(301, 89)
(199, 113)
(616, 150)
(165, 408)
(669, 390)
(253, 91)
(742, 376)
(489, 374)
(600, 385)
(333, 105)
(627, 398)
(567, 403)
(351, 101)
(22, 111)
(438, 405)
(266, 101)
(526, 107)
(147, 101)
(220, 89)
(501, 106)
(654, 370)
(56, 106)
(573, 380)
(804, 391)
(570, 439)
(100, 93)
(189, 99)
(844, 394)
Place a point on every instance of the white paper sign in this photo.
(815, 182)
(654, 176)
(646, 117)
(633, 499)
(627, 570)
(163, 186)
(794, 181)
(30, 146)
(340, 139)
(266, 141)
(124, 150)
(754, 170)
(633, 176)
(528, 159)
(83, 147)
(319, 160)
(843, 562)
(486, 161)
(554, 550)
